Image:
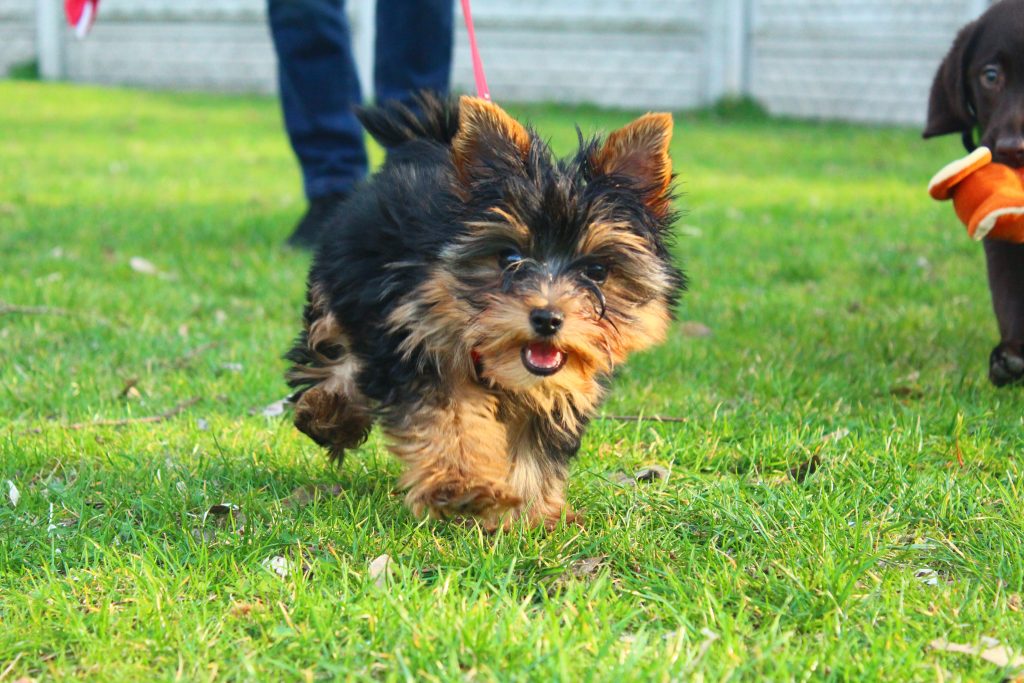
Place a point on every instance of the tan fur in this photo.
(501, 331)
(433, 320)
(639, 150)
(325, 330)
(650, 327)
(506, 225)
(481, 124)
(332, 419)
(613, 237)
(540, 485)
(462, 460)
(455, 464)
(333, 412)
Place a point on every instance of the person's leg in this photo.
(413, 48)
(319, 89)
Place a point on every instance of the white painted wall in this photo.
(221, 45)
(864, 60)
(869, 60)
(620, 53)
(17, 33)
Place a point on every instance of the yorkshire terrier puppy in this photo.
(475, 296)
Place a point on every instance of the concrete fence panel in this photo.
(870, 60)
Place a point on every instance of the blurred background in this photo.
(869, 61)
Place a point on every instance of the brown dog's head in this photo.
(980, 84)
(560, 269)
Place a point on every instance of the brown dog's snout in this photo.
(1010, 150)
(546, 321)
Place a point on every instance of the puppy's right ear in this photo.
(638, 154)
(948, 105)
(489, 141)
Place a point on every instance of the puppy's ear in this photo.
(947, 106)
(489, 141)
(638, 153)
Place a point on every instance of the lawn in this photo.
(844, 486)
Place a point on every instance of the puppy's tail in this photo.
(429, 117)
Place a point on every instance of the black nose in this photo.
(546, 321)
(1010, 150)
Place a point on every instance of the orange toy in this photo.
(988, 198)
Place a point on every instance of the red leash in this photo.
(81, 14)
(482, 90)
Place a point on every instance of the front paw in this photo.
(487, 503)
(573, 518)
(1005, 365)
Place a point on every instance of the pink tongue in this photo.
(543, 355)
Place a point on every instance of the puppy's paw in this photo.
(573, 518)
(332, 421)
(484, 501)
(1005, 366)
(473, 499)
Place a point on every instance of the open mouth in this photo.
(542, 359)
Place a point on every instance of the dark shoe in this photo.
(307, 233)
(1005, 366)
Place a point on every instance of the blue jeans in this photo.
(320, 88)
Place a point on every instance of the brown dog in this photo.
(980, 85)
(475, 297)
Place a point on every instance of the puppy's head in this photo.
(980, 84)
(560, 268)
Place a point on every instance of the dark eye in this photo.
(991, 76)
(508, 257)
(596, 272)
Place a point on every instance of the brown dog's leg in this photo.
(332, 419)
(541, 485)
(329, 407)
(456, 458)
(538, 474)
(1006, 280)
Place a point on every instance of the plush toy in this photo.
(988, 197)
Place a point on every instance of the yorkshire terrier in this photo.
(475, 297)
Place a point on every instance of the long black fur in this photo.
(394, 227)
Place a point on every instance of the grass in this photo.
(851, 326)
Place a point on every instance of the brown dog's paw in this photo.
(487, 503)
(473, 500)
(1005, 366)
(573, 518)
(332, 421)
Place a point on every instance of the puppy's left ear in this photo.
(948, 110)
(489, 141)
(638, 153)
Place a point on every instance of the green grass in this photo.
(840, 297)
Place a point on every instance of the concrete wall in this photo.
(620, 53)
(626, 53)
(869, 60)
(17, 33)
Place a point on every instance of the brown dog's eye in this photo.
(992, 77)
(596, 272)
